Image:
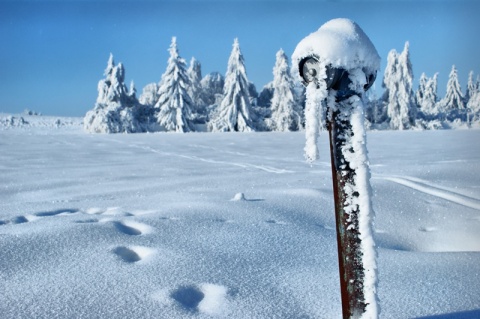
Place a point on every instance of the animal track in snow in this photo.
(132, 228)
(133, 254)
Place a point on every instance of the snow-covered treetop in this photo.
(110, 65)
(341, 43)
(236, 62)
(173, 49)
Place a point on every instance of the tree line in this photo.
(184, 101)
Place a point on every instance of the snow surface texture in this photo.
(144, 225)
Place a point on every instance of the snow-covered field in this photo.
(155, 225)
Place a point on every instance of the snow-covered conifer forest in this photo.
(184, 101)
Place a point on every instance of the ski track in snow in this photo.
(242, 165)
(434, 190)
(268, 169)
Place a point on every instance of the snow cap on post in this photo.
(340, 43)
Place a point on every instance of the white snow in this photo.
(143, 226)
(239, 197)
(341, 43)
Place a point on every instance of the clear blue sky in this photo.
(53, 53)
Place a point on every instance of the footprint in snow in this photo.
(63, 211)
(132, 228)
(188, 297)
(29, 218)
(206, 298)
(133, 254)
(19, 220)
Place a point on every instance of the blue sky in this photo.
(53, 53)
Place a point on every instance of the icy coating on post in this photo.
(355, 154)
(341, 44)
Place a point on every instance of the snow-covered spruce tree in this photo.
(426, 97)
(265, 96)
(472, 100)
(212, 85)
(174, 103)
(252, 92)
(398, 97)
(116, 108)
(375, 115)
(389, 83)
(452, 103)
(474, 109)
(471, 87)
(196, 92)
(422, 83)
(430, 100)
(235, 113)
(149, 94)
(286, 114)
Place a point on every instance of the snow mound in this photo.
(239, 197)
(341, 43)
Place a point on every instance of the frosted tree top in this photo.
(341, 43)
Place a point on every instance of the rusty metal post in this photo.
(350, 264)
(337, 64)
